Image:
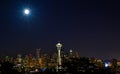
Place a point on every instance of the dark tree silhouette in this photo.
(7, 68)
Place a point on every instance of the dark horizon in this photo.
(89, 27)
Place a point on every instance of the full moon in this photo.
(26, 11)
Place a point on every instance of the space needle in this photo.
(59, 45)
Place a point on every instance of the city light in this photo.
(106, 65)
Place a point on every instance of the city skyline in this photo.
(89, 27)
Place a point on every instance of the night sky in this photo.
(91, 27)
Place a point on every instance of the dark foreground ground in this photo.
(86, 72)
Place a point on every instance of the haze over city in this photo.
(89, 27)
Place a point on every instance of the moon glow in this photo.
(26, 11)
